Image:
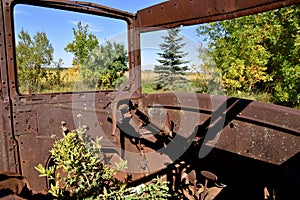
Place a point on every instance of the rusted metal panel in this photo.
(4, 143)
(261, 131)
(37, 122)
(2, 56)
(258, 142)
(272, 116)
(3, 60)
(8, 153)
(9, 48)
(187, 12)
(34, 151)
(25, 123)
(134, 55)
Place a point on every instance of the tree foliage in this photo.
(82, 45)
(172, 68)
(33, 54)
(208, 79)
(105, 66)
(258, 52)
(100, 65)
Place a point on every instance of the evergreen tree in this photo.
(172, 69)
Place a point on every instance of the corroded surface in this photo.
(249, 145)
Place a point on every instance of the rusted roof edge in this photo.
(175, 13)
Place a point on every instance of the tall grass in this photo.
(69, 82)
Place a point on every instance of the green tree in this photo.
(105, 66)
(172, 68)
(258, 52)
(33, 55)
(100, 66)
(82, 45)
(284, 64)
(208, 76)
(237, 48)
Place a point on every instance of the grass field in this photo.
(148, 86)
(69, 82)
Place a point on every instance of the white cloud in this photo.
(19, 12)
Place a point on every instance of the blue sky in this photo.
(58, 27)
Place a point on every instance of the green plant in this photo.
(258, 53)
(172, 66)
(105, 66)
(80, 173)
(157, 189)
(33, 55)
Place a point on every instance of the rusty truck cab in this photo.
(249, 145)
